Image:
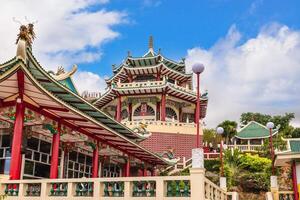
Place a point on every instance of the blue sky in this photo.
(250, 48)
(181, 25)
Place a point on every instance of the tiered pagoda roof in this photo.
(151, 63)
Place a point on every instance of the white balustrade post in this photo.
(127, 192)
(21, 190)
(160, 189)
(274, 187)
(96, 185)
(44, 190)
(223, 183)
(71, 188)
(197, 173)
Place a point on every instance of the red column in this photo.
(158, 111)
(129, 111)
(180, 115)
(294, 175)
(95, 162)
(15, 162)
(119, 107)
(163, 107)
(153, 172)
(55, 153)
(128, 168)
(145, 172)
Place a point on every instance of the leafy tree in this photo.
(210, 136)
(296, 133)
(229, 129)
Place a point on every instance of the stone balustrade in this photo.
(153, 84)
(165, 126)
(246, 147)
(140, 84)
(158, 187)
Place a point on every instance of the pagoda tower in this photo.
(155, 94)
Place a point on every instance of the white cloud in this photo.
(258, 75)
(90, 81)
(66, 30)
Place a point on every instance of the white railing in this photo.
(212, 191)
(243, 148)
(140, 84)
(152, 84)
(184, 164)
(164, 126)
(159, 187)
(281, 195)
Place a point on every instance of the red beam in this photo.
(54, 108)
(7, 103)
(20, 75)
(74, 119)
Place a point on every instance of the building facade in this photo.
(157, 93)
(47, 130)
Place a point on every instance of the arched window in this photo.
(170, 113)
(144, 110)
(124, 114)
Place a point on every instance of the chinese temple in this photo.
(47, 130)
(155, 95)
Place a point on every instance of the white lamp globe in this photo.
(198, 68)
(220, 130)
(270, 125)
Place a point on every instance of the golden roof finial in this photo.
(150, 45)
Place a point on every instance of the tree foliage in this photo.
(230, 129)
(210, 136)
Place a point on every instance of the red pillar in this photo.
(153, 172)
(163, 107)
(180, 115)
(119, 107)
(128, 168)
(145, 172)
(130, 111)
(294, 175)
(55, 153)
(158, 111)
(95, 162)
(15, 162)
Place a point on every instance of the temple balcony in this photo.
(192, 187)
(164, 126)
(147, 84)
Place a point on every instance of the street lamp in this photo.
(198, 68)
(220, 131)
(270, 126)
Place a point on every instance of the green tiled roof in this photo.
(295, 145)
(69, 84)
(73, 99)
(254, 130)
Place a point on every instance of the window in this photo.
(171, 113)
(143, 78)
(144, 110)
(5, 141)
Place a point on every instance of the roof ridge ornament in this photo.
(24, 38)
(150, 44)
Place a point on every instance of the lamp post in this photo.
(220, 131)
(198, 68)
(270, 126)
